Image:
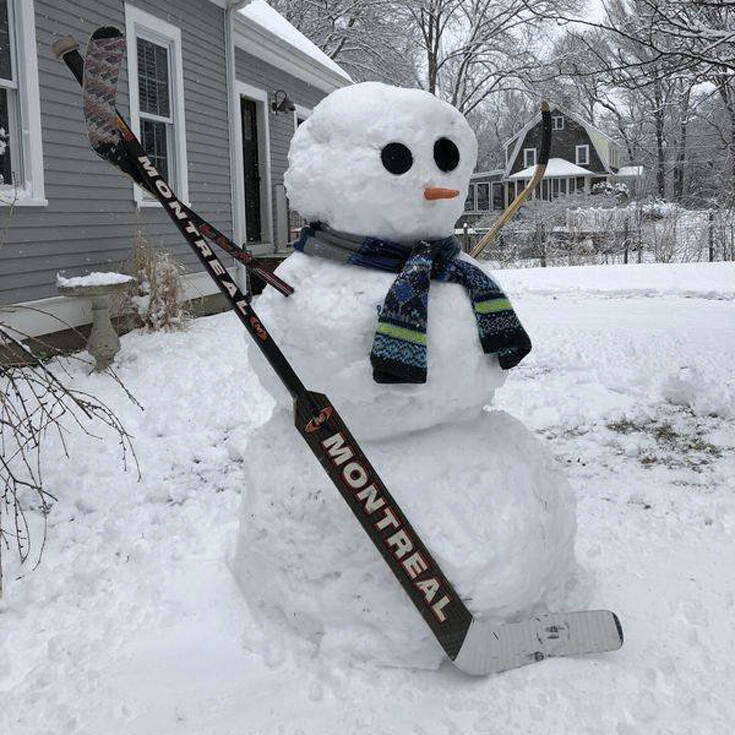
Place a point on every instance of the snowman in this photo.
(410, 339)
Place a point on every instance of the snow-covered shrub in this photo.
(159, 297)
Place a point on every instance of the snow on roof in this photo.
(555, 167)
(258, 11)
(632, 171)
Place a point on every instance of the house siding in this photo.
(91, 217)
(258, 73)
(563, 144)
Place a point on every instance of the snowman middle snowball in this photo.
(364, 161)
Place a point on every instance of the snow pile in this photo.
(688, 387)
(485, 498)
(336, 174)
(93, 279)
(480, 490)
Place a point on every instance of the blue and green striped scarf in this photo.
(399, 348)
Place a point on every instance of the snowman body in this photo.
(480, 490)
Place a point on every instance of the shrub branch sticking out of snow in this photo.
(159, 297)
(33, 401)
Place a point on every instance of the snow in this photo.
(509, 547)
(555, 167)
(93, 279)
(336, 175)
(310, 574)
(327, 328)
(258, 11)
(133, 622)
(633, 171)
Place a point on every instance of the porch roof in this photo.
(557, 167)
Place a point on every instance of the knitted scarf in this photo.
(399, 348)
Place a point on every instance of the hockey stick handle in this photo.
(538, 174)
(67, 50)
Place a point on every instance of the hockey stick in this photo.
(67, 48)
(474, 646)
(538, 174)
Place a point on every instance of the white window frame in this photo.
(300, 112)
(139, 24)
(260, 97)
(586, 149)
(472, 188)
(478, 184)
(26, 110)
(535, 157)
(557, 122)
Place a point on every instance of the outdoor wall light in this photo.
(284, 104)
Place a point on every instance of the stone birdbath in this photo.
(103, 343)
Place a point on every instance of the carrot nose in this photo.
(433, 192)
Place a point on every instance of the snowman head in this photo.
(382, 161)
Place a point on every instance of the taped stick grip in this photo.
(62, 46)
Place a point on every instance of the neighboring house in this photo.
(581, 156)
(213, 88)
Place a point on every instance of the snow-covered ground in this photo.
(133, 623)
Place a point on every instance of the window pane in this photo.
(153, 78)
(6, 166)
(483, 197)
(154, 137)
(498, 196)
(6, 68)
(469, 203)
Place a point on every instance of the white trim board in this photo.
(261, 43)
(58, 313)
(150, 27)
(31, 192)
(260, 96)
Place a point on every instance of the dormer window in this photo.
(557, 122)
(529, 157)
(583, 155)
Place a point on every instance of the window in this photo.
(157, 97)
(483, 197)
(299, 115)
(613, 156)
(469, 203)
(583, 155)
(498, 195)
(529, 157)
(21, 157)
(557, 122)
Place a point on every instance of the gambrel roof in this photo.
(600, 140)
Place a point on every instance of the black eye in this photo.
(446, 154)
(397, 158)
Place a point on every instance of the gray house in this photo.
(213, 88)
(581, 156)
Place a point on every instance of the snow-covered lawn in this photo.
(133, 623)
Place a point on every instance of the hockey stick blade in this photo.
(358, 483)
(491, 648)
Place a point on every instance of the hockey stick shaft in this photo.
(67, 49)
(538, 174)
(331, 441)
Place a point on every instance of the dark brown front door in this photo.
(250, 162)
